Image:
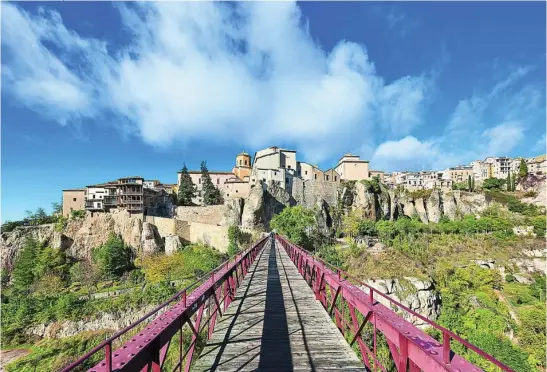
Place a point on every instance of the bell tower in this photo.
(242, 167)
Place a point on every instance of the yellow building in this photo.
(352, 168)
(243, 167)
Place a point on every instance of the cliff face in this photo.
(80, 236)
(429, 206)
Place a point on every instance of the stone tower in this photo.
(243, 167)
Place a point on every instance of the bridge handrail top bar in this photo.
(428, 321)
(118, 334)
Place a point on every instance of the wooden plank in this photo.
(275, 323)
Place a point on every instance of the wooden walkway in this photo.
(276, 324)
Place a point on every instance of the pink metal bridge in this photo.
(270, 309)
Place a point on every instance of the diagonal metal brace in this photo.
(334, 300)
(358, 333)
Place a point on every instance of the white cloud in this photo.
(249, 73)
(503, 138)
(407, 153)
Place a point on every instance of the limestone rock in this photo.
(173, 244)
(416, 294)
(60, 241)
(434, 207)
(253, 209)
(421, 210)
(12, 242)
(234, 210)
(112, 321)
(449, 205)
(384, 204)
(151, 241)
(323, 218)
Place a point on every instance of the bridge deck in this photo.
(276, 324)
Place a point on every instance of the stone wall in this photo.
(309, 192)
(192, 231)
(210, 214)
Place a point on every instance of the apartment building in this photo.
(537, 165)
(458, 174)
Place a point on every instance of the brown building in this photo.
(331, 175)
(130, 194)
(73, 200)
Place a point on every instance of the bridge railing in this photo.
(146, 342)
(357, 313)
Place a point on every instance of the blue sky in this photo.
(96, 91)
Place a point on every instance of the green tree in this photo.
(40, 215)
(513, 182)
(57, 208)
(112, 258)
(493, 183)
(473, 184)
(523, 169)
(469, 184)
(508, 182)
(187, 189)
(211, 194)
(234, 235)
(296, 223)
(50, 261)
(23, 269)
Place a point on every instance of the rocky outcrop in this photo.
(112, 321)
(418, 295)
(428, 206)
(151, 242)
(96, 229)
(12, 242)
(323, 218)
(537, 185)
(264, 202)
(173, 244)
(233, 212)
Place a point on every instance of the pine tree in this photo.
(508, 182)
(187, 189)
(513, 183)
(211, 194)
(23, 273)
(469, 184)
(523, 169)
(473, 184)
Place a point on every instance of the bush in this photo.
(233, 240)
(9, 226)
(77, 214)
(113, 258)
(493, 183)
(509, 278)
(296, 224)
(530, 194)
(373, 185)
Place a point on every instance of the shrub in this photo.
(373, 185)
(233, 240)
(295, 223)
(530, 194)
(493, 183)
(77, 214)
(113, 258)
(9, 226)
(509, 278)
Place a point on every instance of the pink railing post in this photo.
(108, 356)
(446, 347)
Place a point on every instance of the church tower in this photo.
(243, 167)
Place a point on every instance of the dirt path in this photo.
(509, 306)
(8, 356)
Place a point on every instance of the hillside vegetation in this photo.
(48, 287)
(482, 303)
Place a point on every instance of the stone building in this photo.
(458, 174)
(537, 165)
(73, 200)
(243, 167)
(352, 168)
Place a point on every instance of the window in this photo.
(73, 199)
(218, 181)
(327, 177)
(245, 162)
(264, 179)
(236, 190)
(240, 162)
(335, 178)
(287, 179)
(288, 166)
(315, 176)
(199, 180)
(306, 172)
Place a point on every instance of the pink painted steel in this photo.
(142, 351)
(410, 346)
